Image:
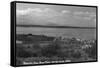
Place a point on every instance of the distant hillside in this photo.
(45, 26)
(33, 38)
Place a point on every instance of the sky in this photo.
(55, 15)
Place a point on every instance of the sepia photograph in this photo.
(50, 33)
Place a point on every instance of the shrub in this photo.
(21, 52)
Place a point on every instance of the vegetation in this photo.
(31, 50)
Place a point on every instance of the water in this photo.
(66, 32)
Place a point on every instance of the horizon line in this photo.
(47, 26)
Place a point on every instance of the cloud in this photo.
(37, 15)
(84, 15)
(31, 10)
(41, 11)
(27, 11)
(50, 16)
(65, 11)
(22, 12)
(80, 13)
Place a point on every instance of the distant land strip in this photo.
(46, 26)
